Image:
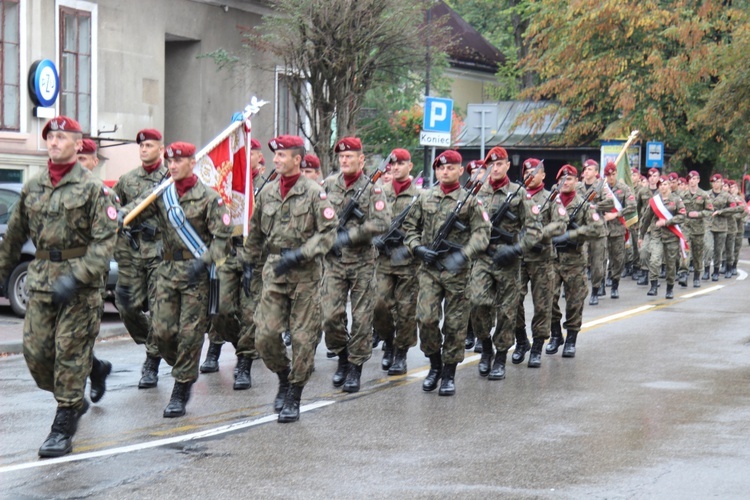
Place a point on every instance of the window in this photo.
(75, 65)
(288, 118)
(10, 81)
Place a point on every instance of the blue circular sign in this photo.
(44, 83)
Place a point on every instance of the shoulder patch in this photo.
(535, 209)
(528, 196)
(105, 191)
(111, 212)
(323, 195)
(328, 213)
(379, 205)
(226, 219)
(595, 216)
(377, 190)
(485, 216)
(561, 210)
(220, 201)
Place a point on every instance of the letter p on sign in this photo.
(438, 114)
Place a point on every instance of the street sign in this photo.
(654, 154)
(436, 126)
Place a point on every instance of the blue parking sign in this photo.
(654, 154)
(438, 114)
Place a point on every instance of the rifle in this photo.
(498, 235)
(394, 237)
(588, 197)
(440, 244)
(270, 177)
(351, 209)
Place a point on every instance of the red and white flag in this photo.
(661, 211)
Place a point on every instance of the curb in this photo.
(109, 331)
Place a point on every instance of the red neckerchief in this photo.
(400, 186)
(349, 180)
(566, 198)
(500, 183)
(287, 183)
(449, 188)
(534, 191)
(151, 168)
(184, 185)
(58, 170)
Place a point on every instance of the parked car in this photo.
(14, 287)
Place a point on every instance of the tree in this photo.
(341, 49)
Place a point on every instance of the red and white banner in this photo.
(661, 211)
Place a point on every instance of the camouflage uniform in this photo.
(694, 228)
(353, 274)
(73, 226)
(136, 277)
(616, 229)
(736, 208)
(664, 246)
(303, 219)
(740, 219)
(435, 286)
(644, 195)
(718, 225)
(597, 247)
(181, 311)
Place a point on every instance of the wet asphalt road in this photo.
(656, 404)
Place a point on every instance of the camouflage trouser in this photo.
(695, 254)
(448, 290)
(645, 251)
(494, 294)
(357, 282)
(294, 307)
(58, 343)
(236, 319)
(616, 255)
(394, 315)
(570, 274)
(541, 275)
(597, 260)
(180, 321)
(719, 240)
(729, 247)
(138, 278)
(633, 255)
(665, 252)
(738, 246)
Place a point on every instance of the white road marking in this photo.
(619, 315)
(702, 292)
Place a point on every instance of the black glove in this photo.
(342, 239)
(400, 255)
(427, 255)
(196, 271)
(289, 261)
(247, 277)
(63, 290)
(123, 296)
(507, 255)
(121, 219)
(455, 261)
(562, 239)
(379, 244)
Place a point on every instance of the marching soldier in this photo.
(71, 220)
(723, 206)
(350, 268)
(644, 195)
(394, 318)
(624, 203)
(443, 276)
(138, 253)
(494, 285)
(295, 224)
(311, 168)
(632, 260)
(475, 169)
(739, 219)
(196, 228)
(735, 203)
(698, 208)
(571, 262)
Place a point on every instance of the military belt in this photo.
(61, 255)
(178, 255)
(276, 250)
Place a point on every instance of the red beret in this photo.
(635, 170)
(681, 180)
(179, 150)
(148, 134)
(475, 165)
(530, 163)
(731, 183)
(399, 154)
(255, 144)
(591, 163)
(610, 167)
(62, 123)
(87, 148)
(673, 176)
(693, 173)
(653, 170)
(348, 144)
(311, 161)
(716, 177)
(662, 180)
(286, 142)
(567, 170)
(451, 156)
(496, 153)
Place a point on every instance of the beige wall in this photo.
(468, 87)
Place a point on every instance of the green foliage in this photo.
(222, 59)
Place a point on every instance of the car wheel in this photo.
(18, 292)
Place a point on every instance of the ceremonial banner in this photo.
(662, 212)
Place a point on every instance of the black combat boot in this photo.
(340, 375)
(243, 380)
(636, 274)
(100, 369)
(734, 268)
(670, 291)
(486, 359)
(399, 362)
(498, 367)
(723, 267)
(59, 442)
(594, 300)
(643, 279)
(387, 361)
(290, 409)
(602, 291)
(654, 290)
(715, 275)
(706, 271)
(375, 339)
(150, 373)
(697, 279)
(569, 349)
(663, 272)
(728, 273)
(211, 364)
(626, 271)
(608, 280)
(555, 339)
(351, 384)
(278, 403)
(682, 278)
(178, 400)
(522, 347)
(433, 376)
(615, 292)
(535, 356)
(470, 337)
(447, 380)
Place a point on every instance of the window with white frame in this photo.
(75, 65)
(10, 62)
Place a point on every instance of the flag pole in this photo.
(633, 136)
